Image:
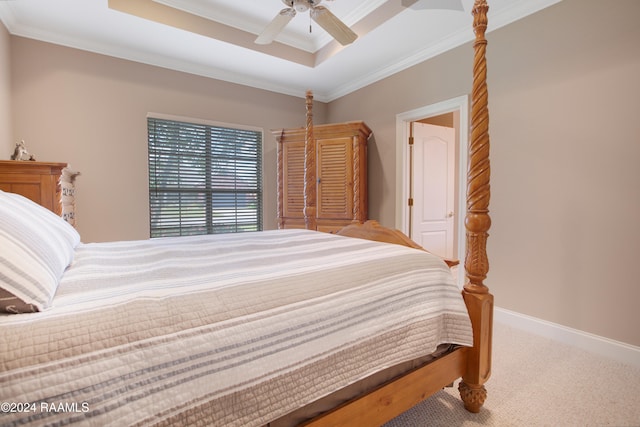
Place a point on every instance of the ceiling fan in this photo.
(320, 14)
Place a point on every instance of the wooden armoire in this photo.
(340, 174)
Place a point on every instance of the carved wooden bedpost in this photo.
(280, 180)
(477, 297)
(309, 169)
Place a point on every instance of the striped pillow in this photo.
(36, 246)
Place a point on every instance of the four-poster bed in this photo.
(473, 365)
(282, 327)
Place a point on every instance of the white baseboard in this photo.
(617, 350)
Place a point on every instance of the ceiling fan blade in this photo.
(333, 25)
(273, 29)
(434, 4)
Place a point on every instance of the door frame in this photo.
(403, 122)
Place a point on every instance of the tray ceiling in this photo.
(214, 38)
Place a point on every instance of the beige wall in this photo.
(6, 143)
(565, 133)
(90, 110)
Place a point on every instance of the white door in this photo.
(433, 216)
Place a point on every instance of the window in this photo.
(203, 179)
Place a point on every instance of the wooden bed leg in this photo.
(476, 295)
(471, 388)
(473, 397)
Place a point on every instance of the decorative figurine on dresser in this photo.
(340, 180)
(21, 152)
(46, 183)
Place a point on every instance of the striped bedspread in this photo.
(225, 330)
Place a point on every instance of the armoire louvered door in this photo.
(293, 186)
(335, 178)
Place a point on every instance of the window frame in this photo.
(208, 227)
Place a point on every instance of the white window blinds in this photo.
(203, 179)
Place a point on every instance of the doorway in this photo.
(456, 110)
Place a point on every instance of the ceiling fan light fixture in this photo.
(300, 5)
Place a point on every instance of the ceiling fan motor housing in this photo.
(302, 5)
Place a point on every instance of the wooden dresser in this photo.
(341, 171)
(49, 184)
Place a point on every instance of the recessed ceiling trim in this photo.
(255, 26)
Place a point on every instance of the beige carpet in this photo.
(539, 382)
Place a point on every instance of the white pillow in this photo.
(36, 246)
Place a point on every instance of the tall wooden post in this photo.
(309, 168)
(476, 294)
(280, 180)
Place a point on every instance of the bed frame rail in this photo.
(397, 396)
